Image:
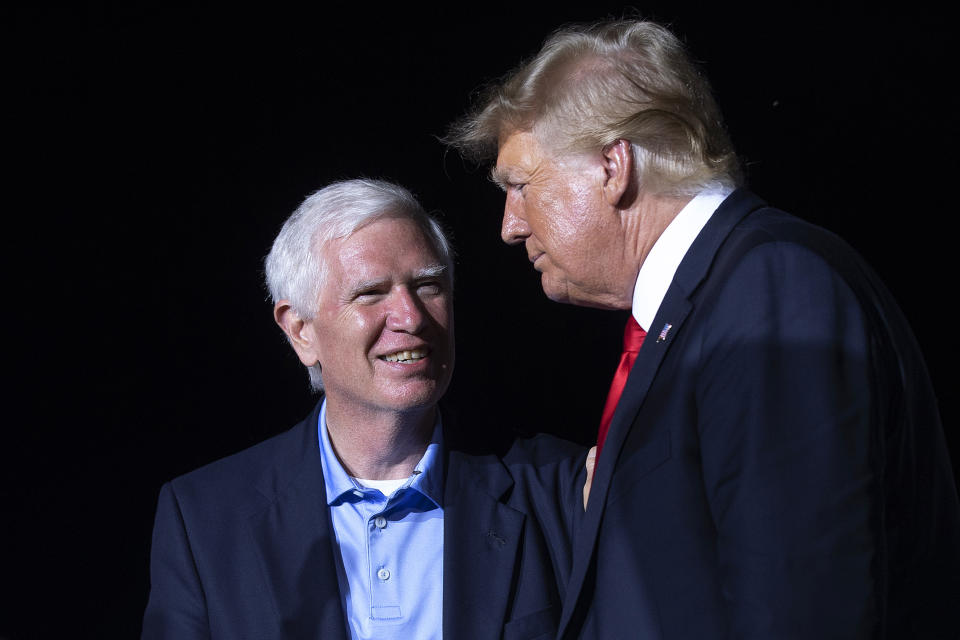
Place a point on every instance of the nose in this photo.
(514, 228)
(405, 313)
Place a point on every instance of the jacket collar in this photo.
(482, 539)
(295, 540)
(297, 548)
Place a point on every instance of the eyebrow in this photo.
(508, 176)
(497, 176)
(432, 271)
(426, 273)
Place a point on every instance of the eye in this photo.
(430, 287)
(368, 296)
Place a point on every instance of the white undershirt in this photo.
(386, 487)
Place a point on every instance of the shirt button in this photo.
(380, 522)
(383, 574)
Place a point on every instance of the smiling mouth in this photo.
(411, 355)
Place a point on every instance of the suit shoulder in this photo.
(774, 242)
(236, 476)
(545, 460)
(543, 449)
(770, 226)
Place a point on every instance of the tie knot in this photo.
(633, 335)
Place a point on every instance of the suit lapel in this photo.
(671, 316)
(481, 541)
(638, 383)
(293, 538)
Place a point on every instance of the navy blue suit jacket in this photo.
(243, 548)
(776, 467)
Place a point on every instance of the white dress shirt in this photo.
(658, 269)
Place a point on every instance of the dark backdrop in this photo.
(155, 152)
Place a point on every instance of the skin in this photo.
(386, 291)
(583, 221)
(589, 464)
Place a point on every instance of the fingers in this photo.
(591, 461)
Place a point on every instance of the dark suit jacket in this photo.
(243, 548)
(776, 467)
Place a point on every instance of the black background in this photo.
(153, 153)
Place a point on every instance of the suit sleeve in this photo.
(550, 473)
(784, 414)
(176, 609)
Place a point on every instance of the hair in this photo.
(295, 267)
(591, 85)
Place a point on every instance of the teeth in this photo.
(406, 356)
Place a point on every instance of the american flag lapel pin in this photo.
(664, 332)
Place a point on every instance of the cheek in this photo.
(359, 322)
(441, 313)
(568, 223)
(358, 328)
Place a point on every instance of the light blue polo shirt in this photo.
(391, 579)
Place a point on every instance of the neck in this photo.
(385, 446)
(645, 221)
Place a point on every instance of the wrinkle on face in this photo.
(387, 291)
(556, 208)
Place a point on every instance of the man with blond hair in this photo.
(771, 462)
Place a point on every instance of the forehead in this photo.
(519, 153)
(382, 247)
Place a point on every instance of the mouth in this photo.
(533, 259)
(406, 356)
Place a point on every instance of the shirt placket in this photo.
(384, 566)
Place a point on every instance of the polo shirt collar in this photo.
(427, 477)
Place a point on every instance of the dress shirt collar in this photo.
(427, 477)
(660, 265)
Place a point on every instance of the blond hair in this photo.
(591, 85)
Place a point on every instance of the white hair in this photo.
(295, 267)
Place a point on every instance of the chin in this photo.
(423, 396)
(579, 298)
(554, 293)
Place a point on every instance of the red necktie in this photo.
(633, 337)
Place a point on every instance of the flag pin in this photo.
(664, 332)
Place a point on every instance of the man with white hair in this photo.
(364, 520)
(771, 462)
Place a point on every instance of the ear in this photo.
(300, 333)
(617, 160)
